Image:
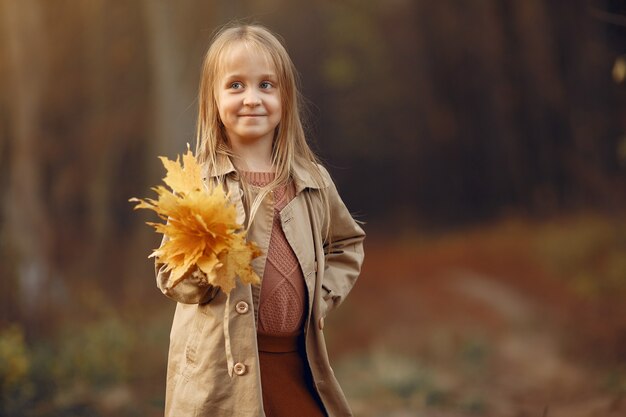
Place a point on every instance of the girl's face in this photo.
(248, 97)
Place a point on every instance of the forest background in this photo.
(482, 142)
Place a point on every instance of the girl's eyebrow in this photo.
(262, 76)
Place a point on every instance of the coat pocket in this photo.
(327, 298)
(193, 341)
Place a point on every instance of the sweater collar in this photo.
(301, 176)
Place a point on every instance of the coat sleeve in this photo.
(193, 289)
(343, 251)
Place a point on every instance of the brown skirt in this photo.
(286, 380)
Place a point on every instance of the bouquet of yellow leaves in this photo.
(201, 228)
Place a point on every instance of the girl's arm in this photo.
(193, 289)
(344, 255)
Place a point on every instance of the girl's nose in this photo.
(251, 99)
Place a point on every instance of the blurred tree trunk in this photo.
(168, 56)
(26, 220)
(103, 152)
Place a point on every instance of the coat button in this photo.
(321, 323)
(239, 368)
(242, 307)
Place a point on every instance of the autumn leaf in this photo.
(201, 228)
(183, 179)
(236, 261)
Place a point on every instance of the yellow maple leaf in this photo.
(236, 260)
(201, 228)
(183, 179)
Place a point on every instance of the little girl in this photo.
(260, 350)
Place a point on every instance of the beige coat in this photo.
(213, 366)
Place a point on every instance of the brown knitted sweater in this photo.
(283, 292)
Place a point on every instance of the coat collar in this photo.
(302, 177)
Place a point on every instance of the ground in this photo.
(480, 322)
(515, 318)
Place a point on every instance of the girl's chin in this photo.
(253, 138)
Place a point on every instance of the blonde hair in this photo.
(289, 146)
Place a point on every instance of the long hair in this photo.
(289, 146)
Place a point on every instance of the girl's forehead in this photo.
(241, 53)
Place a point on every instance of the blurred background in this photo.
(483, 143)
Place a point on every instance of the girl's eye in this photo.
(266, 85)
(236, 85)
